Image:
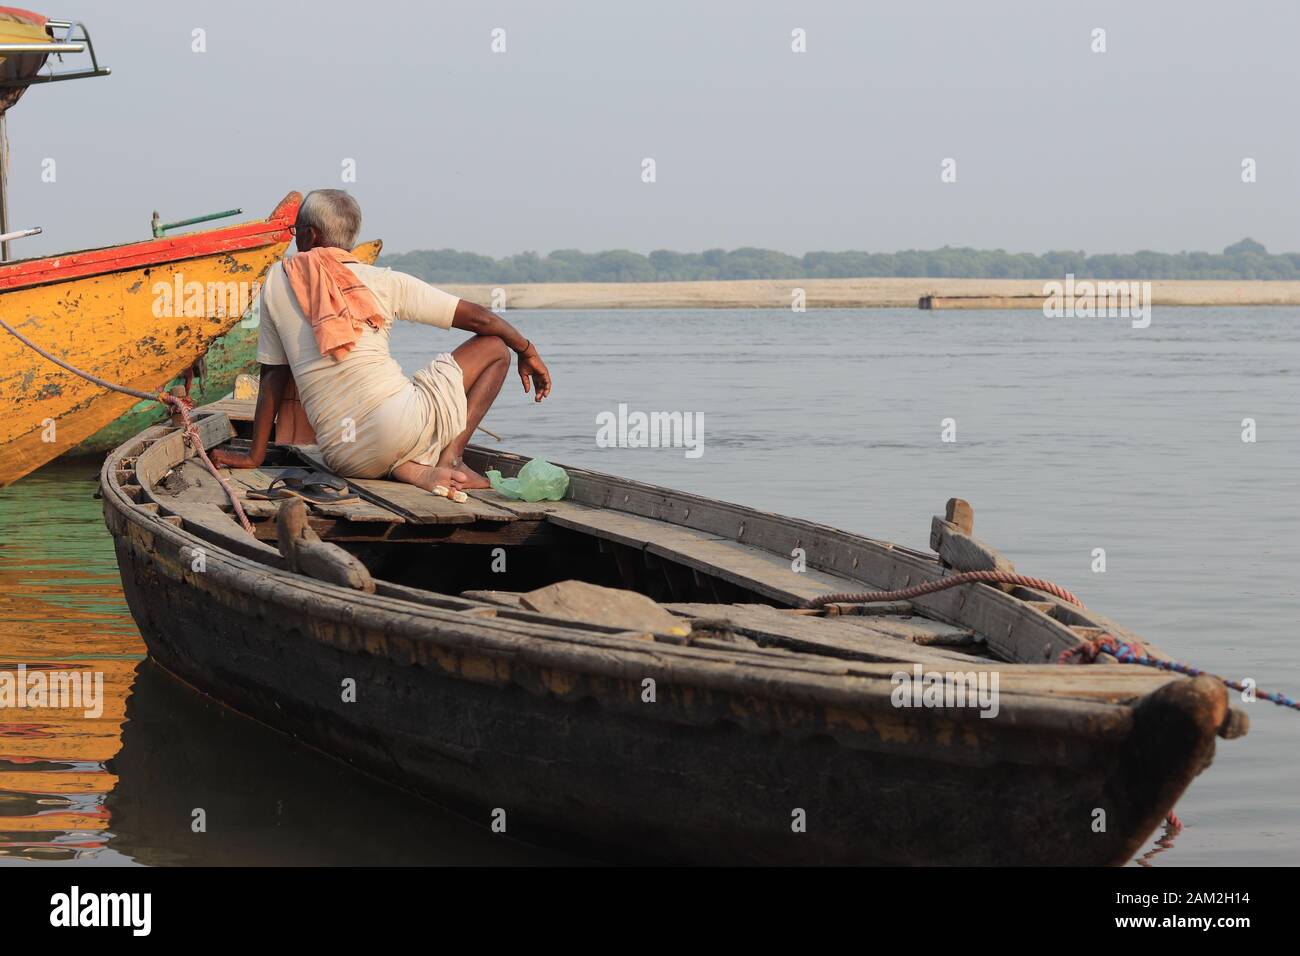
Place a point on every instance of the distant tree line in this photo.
(1246, 259)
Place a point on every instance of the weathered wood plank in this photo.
(828, 636)
(503, 598)
(897, 608)
(218, 527)
(414, 504)
(192, 482)
(260, 479)
(959, 513)
(256, 479)
(206, 520)
(260, 509)
(918, 630)
(741, 564)
(521, 509)
(170, 450)
(963, 552)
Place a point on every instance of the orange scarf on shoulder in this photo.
(337, 303)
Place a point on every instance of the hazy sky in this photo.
(540, 147)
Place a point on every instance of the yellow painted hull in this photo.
(104, 325)
(18, 26)
(115, 323)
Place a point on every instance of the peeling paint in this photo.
(105, 328)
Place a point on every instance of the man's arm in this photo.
(474, 318)
(270, 393)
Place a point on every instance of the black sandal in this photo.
(315, 487)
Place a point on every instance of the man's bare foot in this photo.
(472, 478)
(430, 477)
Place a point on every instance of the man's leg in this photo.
(484, 361)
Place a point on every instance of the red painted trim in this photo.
(35, 19)
(153, 252)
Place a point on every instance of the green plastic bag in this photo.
(538, 480)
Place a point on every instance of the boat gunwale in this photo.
(149, 253)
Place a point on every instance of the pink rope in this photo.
(942, 584)
(182, 406)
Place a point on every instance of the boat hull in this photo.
(104, 312)
(20, 26)
(701, 775)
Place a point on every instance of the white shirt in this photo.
(343, 399)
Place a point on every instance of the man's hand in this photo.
(270, 394)
(229, 459)
(533, 370)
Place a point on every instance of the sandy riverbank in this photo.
(851, 294)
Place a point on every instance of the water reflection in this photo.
(60, 611)
(123, 785)
(265, 800)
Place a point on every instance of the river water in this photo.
(1069, 436)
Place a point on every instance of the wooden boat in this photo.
(24, 31)
(231, 354)
(753, 729)
(128, 314)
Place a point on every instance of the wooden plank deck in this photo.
(527, 510)
(918, 630)
(244, 480)
(750, 567)
(415, 505)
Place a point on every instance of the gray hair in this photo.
(334, 215)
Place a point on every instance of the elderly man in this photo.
(325, 319)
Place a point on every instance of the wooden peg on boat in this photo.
(307, 554)
(951, 539)
(958, 518)
(960, 514)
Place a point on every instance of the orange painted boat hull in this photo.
(137, 315)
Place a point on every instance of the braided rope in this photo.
(942, 584)
(1133, 652)
(195, 440)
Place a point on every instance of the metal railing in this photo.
(75, 39)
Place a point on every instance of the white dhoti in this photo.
(437, 400)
